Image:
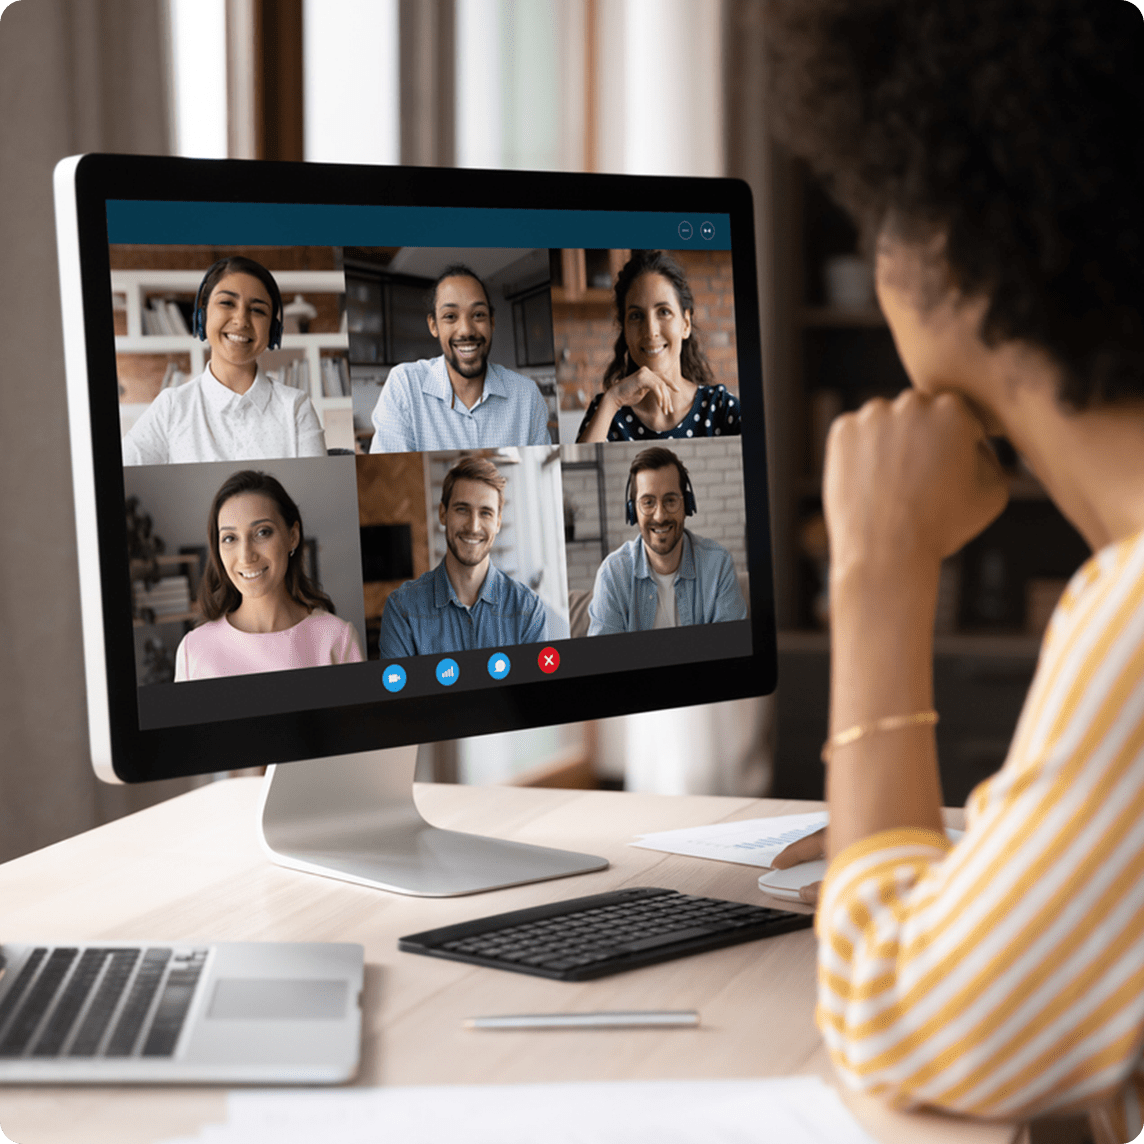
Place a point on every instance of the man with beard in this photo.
(459, 400)
(667, 577)
(465, 602)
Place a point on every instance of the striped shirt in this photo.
(1004, 976)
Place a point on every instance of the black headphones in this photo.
(199, 325)
(689, 505)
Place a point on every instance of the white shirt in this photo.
(202, 420)
(666, 614)
(418, 411)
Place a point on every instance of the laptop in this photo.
(183, 1012)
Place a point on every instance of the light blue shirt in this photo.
(418, 411)
(625, 596)
(424, 616)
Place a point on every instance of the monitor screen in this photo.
(367, 457)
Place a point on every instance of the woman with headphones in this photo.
(232, 411)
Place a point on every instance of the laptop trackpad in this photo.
(269, 999)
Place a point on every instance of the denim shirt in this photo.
(625, 596)
(425, 617)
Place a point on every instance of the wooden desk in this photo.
(190, 868)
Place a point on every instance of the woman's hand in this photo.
(908, 482)
(636, 386)
(630, 391)
(808, 849)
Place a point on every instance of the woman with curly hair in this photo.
(659, 383)
(261, 611)
(991, 154)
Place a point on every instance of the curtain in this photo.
(75, 75)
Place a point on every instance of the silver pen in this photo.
(622, 1019)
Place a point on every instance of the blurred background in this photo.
(671, 87)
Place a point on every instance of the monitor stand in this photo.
(353, 817)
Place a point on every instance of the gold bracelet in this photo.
(889, 723)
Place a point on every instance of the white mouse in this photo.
(787, 883)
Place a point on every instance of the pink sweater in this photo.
(216, 648)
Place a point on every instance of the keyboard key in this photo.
(39, 998)
(143, 991)
(99, 1014)
(20, 986)
(52, 1039)
(172, 1011)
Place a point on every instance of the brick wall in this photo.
(588, 330)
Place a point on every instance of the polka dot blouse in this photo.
(713, 413)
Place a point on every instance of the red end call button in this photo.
(549, 660)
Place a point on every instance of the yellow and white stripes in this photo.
(1004, 976)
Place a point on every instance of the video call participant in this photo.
(465, 602)
(232, 411)
(261, 612)
(667, 577)
(459, 400)
(659, 383)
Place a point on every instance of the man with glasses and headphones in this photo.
(667, 577)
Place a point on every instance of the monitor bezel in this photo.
(123, 752)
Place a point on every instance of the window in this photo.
(198, 79)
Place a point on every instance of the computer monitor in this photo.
(330, 503)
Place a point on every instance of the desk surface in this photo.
(191, 868)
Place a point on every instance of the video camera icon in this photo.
(393, 677)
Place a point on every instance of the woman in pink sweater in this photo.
(261, 612)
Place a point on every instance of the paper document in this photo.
(781, 1110)
(753, 842)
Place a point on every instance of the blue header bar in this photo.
(323, 224)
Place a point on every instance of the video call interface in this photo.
(357, 473)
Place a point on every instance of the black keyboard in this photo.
(582, 938)
(99, 1002)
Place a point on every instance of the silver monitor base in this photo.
(353, 817)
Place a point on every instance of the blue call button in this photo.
(448, 672)
(393, 677)
(499, 665)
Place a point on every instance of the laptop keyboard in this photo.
(66, 1002)
(582, 938)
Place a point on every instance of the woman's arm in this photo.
(907, 483)
(182, 662)
(348, 649)
(311, 436)
(1002, 977)
(974, 978)
(598, 420)
(630, 391)
(146, 441)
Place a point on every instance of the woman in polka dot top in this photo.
(659, 383)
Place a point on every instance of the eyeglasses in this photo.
(672, 502)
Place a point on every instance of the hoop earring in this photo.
(292, 551)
